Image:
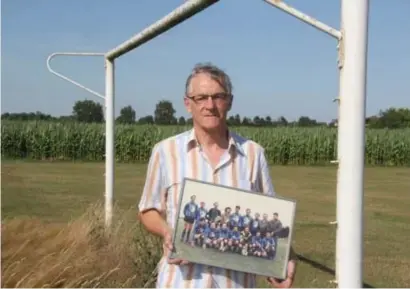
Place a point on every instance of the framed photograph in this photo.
(233, 229)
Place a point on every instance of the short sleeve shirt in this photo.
(243, 166)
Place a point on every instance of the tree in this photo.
(88, 111)
(164, 113)
(181, 121)
(390, 118)
(149, 119)
(127, 115)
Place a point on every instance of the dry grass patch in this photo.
(36, 253)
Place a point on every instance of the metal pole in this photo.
(186, 10)
(109, 140)
(354, 23)
(305, 18)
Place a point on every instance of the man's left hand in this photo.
(288, 282)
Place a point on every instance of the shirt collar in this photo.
(233, 142)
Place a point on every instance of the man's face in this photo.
(193, 198)
(275, 217)
(248, 212)
(207, 113)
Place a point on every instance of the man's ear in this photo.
(230, 103)
(187, 104)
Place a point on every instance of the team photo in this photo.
(220, 231)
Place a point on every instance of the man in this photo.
(190, 213)
(202, 213)
(214, 213)
(200, 231)
(246, 220)
(254, 226)
(264, 224)
(275, 225)
(226, 215)
(235, 218)
(207, 152)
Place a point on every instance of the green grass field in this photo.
(60, 191)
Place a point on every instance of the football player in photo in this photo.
(245, 220)
(210, 235)
(256, 245)
(199, 232)
(223, 237)
(254, 226)
(202, 212)
(269, 245)
(246, 238)
(190, 213)
(235, 217)
(234, 238)
(263, 225)
(213, 213)
(275, 225)
(226, 215)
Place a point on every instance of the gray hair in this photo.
(214, 72)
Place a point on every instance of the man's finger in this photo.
(177, 261)
(273, 282)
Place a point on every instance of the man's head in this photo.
(237, 209)
(193, 197)
(202, 204)
(248, 212)
(216, 205)
(208, 96)
(275, 216)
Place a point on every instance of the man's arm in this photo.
(150, 206)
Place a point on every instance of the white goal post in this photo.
(352, 39)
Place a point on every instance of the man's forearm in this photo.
(154, 222)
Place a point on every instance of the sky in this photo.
(279, 66)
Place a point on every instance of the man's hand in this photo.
(170, 247)
(288, 282)
(155, 223)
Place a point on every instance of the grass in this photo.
(43, 206)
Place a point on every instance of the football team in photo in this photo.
(235, 232)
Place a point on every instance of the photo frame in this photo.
(255, 237)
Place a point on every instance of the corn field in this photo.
(133, 143)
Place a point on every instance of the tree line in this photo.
(164, 114)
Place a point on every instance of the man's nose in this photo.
(210, 102)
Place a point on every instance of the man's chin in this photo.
(212, 124)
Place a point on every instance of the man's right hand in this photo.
(155, 223)
(169, 247)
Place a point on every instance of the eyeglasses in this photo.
(217, 97)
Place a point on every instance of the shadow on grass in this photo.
(324, 268)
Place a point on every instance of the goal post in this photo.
(180, 14)
(352, 41)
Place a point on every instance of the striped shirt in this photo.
(242, 166)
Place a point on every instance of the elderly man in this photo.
(209, 152)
